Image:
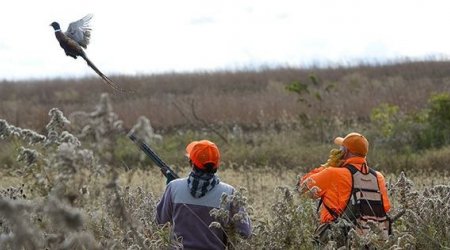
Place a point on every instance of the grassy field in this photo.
(70, 178)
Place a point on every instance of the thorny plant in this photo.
(62, 172)
(99, 128)
(102, 129)
(130, 216)
(144, 130)
(290, 224)
(233, 209)
(51, 159)
(38, 224)
(427, 217)
(98, 124)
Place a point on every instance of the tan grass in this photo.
(230, 97)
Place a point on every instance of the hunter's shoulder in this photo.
(226, 186)
(332, 171)
(177, 182)
(376, 172)
(380, 175)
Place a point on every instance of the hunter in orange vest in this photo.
(345, 180)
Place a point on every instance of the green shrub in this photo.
(423, 129)
(384, 118)
(439, 120)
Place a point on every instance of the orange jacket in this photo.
(334, 186)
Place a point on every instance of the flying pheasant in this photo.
(75, 39)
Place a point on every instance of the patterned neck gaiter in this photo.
(200, 183)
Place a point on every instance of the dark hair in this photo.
(210, 168)
(207, 168)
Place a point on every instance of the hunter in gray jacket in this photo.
(186, 202)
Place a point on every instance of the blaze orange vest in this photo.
(334, 185)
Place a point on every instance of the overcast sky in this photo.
(138, 37)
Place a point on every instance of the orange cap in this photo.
(355, 143)
(203, 152)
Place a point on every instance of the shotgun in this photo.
(165, 169)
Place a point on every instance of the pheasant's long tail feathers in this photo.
(103, 76)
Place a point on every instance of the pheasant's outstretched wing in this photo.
(80, 31)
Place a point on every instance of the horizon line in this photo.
(315, 64)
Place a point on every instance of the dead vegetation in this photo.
(244, 98)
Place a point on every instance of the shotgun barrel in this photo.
(165, 169)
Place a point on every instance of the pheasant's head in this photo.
(55, 26)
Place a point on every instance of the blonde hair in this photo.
(335, 158)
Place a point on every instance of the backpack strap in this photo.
(372, 171)
(352, 169)
(333, 213)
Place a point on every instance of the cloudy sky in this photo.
(139, 37)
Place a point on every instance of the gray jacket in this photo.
(190, 217)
